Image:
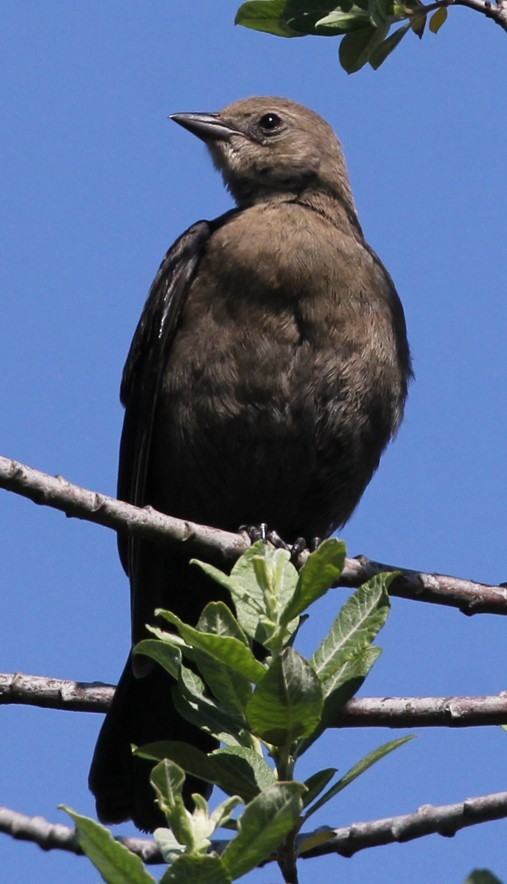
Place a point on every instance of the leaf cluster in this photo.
(364, 25)
(238, 676)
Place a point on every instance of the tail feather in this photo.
(142, 711)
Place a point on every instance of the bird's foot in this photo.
(262, 532)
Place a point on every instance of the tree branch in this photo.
(443, 820)
(438, 589)
(54, 836)
(424, 712)
(497, 11)
(467, 595)
(76, 696)
(54, 693)
(79, 503)
(494, 10)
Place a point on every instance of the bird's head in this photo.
(265, 147)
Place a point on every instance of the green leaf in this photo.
(315, 839)
(340, 22)
(206, 869)
(244, 588)
(262, 826)
(261, 584)
(222, 814)
(190, 759)
(307, 16)
(355, 627)
(356, 772)
(379, 55)
(287, 703)
(236, 770)
(356, 47)
(438, 19)
(319, 7)
(116, 864)
(230, 689)
(168, 656)
(168, 844)
(224, 648)
(192, 704)
(346, 681)
(320, 571)
(482, 876)
(167, 779)
(277, 578)
(316, 783)
(218, 618)
(202, 824)
(380, 11)
(339, 689)
(251, 772)
(265, 15)
(418, 24)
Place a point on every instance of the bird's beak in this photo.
(208, 127)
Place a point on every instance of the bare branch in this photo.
(77, 696)
(54, 836)
(49, 836)
(424, 712)
(443, 820)
(470, 597)
(54, 693)
(438, 589)
(494, 10)
(79, 503)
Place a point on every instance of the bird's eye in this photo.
(270, 122)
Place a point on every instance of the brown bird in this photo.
(267, 374)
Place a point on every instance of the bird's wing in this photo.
(145, 363)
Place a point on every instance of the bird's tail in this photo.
(142, 711)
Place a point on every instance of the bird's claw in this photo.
(277, 541)
(297, 548)
(256, 532)
(262, 532)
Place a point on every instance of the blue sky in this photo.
(95, 184)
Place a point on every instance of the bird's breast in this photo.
(276, 367)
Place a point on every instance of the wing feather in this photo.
(145, 364)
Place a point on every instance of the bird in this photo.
(267, 374)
